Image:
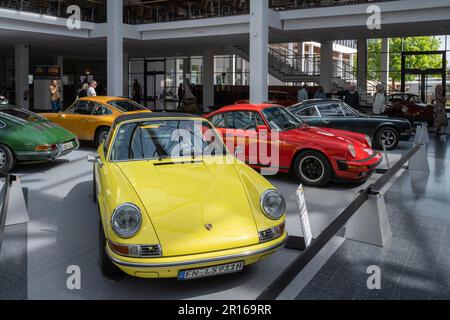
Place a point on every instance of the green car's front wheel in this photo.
(7, 160)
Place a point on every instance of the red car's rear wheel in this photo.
(313, 168)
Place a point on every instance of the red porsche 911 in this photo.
(315, 155)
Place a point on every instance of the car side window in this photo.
(310, 111)
(83, 107)
(218, 121)
(347, 111)
(100, 110)
(243, 120)
(331, 110)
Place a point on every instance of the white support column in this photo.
(126, 75)
(259, 43)
(60, 63)
(362, 65)
(326, 65)
(208, 79)
(385, 61)
(115, 47)
(21, 75)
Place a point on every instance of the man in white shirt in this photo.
(91, 90)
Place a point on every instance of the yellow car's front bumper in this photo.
(171, 267)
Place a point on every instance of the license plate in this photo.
(66, 146)
(211, 271)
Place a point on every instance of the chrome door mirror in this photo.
(94, 158)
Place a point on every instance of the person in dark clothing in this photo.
(82, 93)
(351, 97)
(180, 95)
(137, 91)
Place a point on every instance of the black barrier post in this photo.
(4, 210)
(286, 277)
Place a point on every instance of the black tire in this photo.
(101, 135)
(7, 160)
(108, 268)
(312, 168)
(388, 136)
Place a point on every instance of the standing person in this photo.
(380, 100)
(83, 92)
(55, 96)
(303, 94)
(320, 93)
(440, 114)
(137, 91)
(91, 90)
(180, 95)
(351, 96)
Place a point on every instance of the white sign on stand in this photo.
(304, 218)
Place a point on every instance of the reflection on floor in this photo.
(416, 262)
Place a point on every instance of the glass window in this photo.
(126, 105)
(330, 110)
(218, 121)
(21, 115)
(243, 120)
(348, 111)
(82, 107)
(280, 119)
(100, 110)
(161, 139)
(310, 111)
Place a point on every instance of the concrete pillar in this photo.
(208, 78)
(362, 65)
(21, 75)
(259, 43)
(385, 61)
(126, 75)
(115, 47)
(326, 65)
(60, 63)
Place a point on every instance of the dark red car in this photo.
(315, 155)
(409, 106)
(276, 97)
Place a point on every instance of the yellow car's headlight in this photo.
(126, 220)
(273, 204)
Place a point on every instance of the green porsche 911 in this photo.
(26, 137)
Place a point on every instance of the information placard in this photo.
(304, 218)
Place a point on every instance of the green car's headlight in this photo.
(273, 204)
(126, 220)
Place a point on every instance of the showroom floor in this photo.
(63, 232)
(416, 262)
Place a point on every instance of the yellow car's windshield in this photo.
(163, 139)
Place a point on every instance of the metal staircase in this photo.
(288, 66)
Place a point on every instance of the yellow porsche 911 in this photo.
(174, 203)
(91, 118)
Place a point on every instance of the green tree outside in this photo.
(426, 43)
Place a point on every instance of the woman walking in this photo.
(380, 101)
(440, 114)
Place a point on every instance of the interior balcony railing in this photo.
(281, 5)
(91, 10)
(141, 12)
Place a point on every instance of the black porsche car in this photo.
(337, 114)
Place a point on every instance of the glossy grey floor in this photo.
(63, 232)
(416, 262)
